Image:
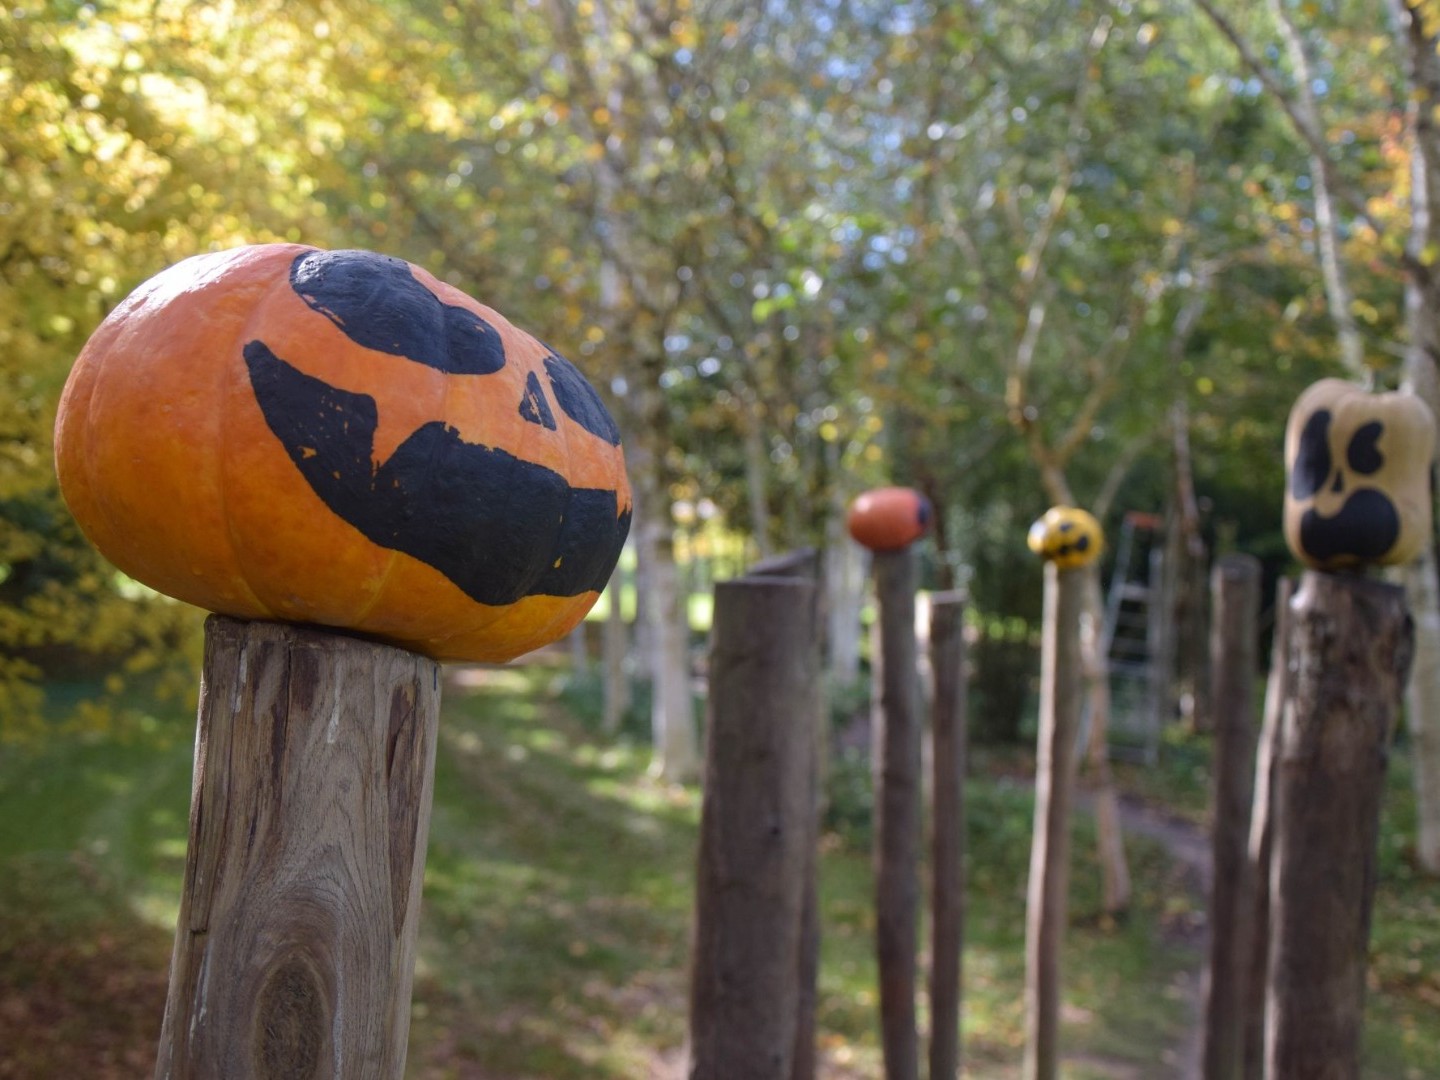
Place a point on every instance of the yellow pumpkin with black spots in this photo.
(338, 437)
(1357, 465)
(1067, 536)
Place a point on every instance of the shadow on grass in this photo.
(557, 897)
(82, 978)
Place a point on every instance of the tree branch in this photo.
(1313, 139)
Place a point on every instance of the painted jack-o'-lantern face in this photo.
(340, 438)
(1067, 536)
(888, 519)
(1358, 490)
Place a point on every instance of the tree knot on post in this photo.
(290, 1023)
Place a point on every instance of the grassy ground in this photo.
(557, 910)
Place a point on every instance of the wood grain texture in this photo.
(1049, 886)
(756, 827)
(1234, 667)
(1351, 645)
(310, 807)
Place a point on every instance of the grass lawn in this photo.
(557, 909)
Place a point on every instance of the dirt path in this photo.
(1189, 845)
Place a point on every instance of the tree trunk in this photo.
(844, 586)
(1262, 826)
(756, 469)
(1048, 895)
(947, 834)
(667, 633)
(756, 829)
(672, 714)
(314, 769)
(1186, 559)
(1351, 643)
(615, 652)
(897, 812)
(1422, 319)
(1235, 585)
(1109, 836)
(579, 650)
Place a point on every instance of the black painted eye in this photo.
(1066, 526)
(1312, 457)
(376, 302)
(1083, 544)
(533, 406)
(579, 400)
(1364, 450)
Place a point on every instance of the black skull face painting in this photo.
(1358, 488)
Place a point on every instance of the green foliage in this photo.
(803, 248)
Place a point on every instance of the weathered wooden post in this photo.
(1262, 819)
(888, 521)
(947, 830)
(806, 563)
(291, 436)
(1357, 495)
(1234, 645)
(757, 829)
(1068, 539)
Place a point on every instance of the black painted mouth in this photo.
(479, 515)
(1366, 527)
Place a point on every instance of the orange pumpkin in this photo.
(337, 437)
(888, 519)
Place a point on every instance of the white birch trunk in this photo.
(1422, 317)
(672, 715)
(614, 650)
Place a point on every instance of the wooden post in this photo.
(1351, 644)
(947, 834)
(806, 563)
(1234, 632)
(755, 826)
(897, 812)
(314, 768)
(1262, 818)
(1046, 902)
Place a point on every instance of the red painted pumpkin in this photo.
(337, 437)
(888, 519)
